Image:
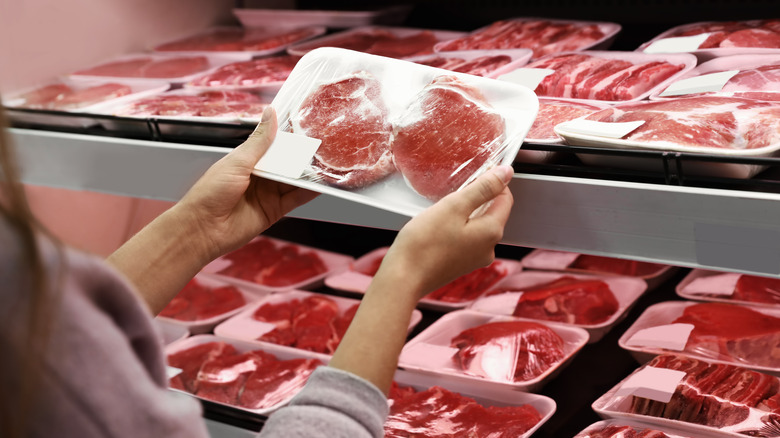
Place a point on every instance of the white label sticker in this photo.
(721, 285)
(429, 356)
(555, 260)
(350, 280)
(668, 336)
(501, 304)
(528, 77)
(172, 372)
(677, 44)
(244, 328)
(653, 383)
(598, 129)
(289, 155)
(708, 83)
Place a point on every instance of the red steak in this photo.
(756, 289)
(611, 265)
(350, 117)
(198, 302)
(570, 300)
(445, 136)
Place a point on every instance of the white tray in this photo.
(440, 333)
(245, 328)
(329, 18)
(169, 332)
(626, 290)
(723, 282)
(308, 33)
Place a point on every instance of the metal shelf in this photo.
(724, 229)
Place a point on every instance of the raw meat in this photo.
(731, 34)
(248, 74)
(569, 300)
(262, 262)
(220, 104)
(149, 67)
(732, 332)
(593, 77)
(43, 97)
(553, 112)
(515, 351)
(64, 98)
(709, 121)
(715, 395)
(754, 289)
(383, 43)
(349, 115)
(760, 83)
(610, 265)
(445, 137)
(541, 36)
(199, 302)
(616, 431)
(237, 39)
(439, 413)
(469, 287)
(478, 66)
(252, 380)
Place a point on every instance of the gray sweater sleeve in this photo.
(333, 404)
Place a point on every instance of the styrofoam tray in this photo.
(707, 54)
(486, 396)
(215, 60)
(722, 64)
(334, 263)
(205, 325)
(355, 281)
(636, 425)
(401, 82)
(261, 31)
(244, 327)
(242, 347)
(440, 333)
(169, 332)
(665, 313)
(720, 283)
(550, 260)
(626, 290)
(519, 58)
(610, 31)
(329, 18)
(307, 46)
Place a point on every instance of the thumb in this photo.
(250, 151)
(483, 189)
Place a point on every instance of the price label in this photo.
(652, 383)
(429, 356)
(677, 44)
(527, 77)
(708, 83)
(668, 336)
(598, 129)
(289, 155)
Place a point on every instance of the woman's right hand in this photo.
(454, 236)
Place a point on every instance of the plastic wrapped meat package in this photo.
(731, 127)
(175, 69)
(256, 41)
(74, 96)
(455, 295)
(628, 429)
(696, 396)
(711, 39)
(273, 265)
(486, 63)
(727, 287)
(564, 261)
(204, 302)
(595, 303)
(262, 75)
(390, 41)
(252, 378)
(427, 406)
(297, 319)
(332, 19)
(493, 351)
(717, 332)
(542, 35)
(745, 76)
(391, 134)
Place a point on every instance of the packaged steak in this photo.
(696, 396)
(251, 378)
(601, 76)
(382, 152)
(297, 319)
(542, 35)
(455, 295)
(724, 126)
(728, 287)
(487, 63)
(717, 332)
(593, 302)
(627, 429)
(390, 41)
(438, 409)
(256, 41)
(204, 302)
(711, 39)
(273, 265)
(745, 76)
(198, 105)
(495, 351)
(576, 263)
(264, 75)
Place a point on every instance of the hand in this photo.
(456, 235)
(229, 205)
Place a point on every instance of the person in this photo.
(80, 355)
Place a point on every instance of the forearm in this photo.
(161, 258)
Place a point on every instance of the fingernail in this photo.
(267, 113)
(505, 172)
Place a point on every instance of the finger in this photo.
(250, 151)
(295, 198)
(497, 213)
(483, 189)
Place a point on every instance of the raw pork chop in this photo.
(730, 34)
(569, 300)
(553, 112)
(350, 117)
(247, 74)
(446, 136)
(508, 350)
(478, 66)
